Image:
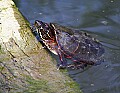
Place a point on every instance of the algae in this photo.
(38, 86)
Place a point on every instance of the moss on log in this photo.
(24, 66)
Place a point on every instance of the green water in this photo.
(101, 18)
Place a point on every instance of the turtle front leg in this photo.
(63, 62)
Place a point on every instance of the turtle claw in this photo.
(60, 66)
(77, 66)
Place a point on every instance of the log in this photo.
(25, 67)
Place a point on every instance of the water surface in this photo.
(101, 18)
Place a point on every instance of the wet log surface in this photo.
(26, 67)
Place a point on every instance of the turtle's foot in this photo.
(61, 66)
(77, 66)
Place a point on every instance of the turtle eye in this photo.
(44, 35)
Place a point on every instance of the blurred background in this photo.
(100, 18)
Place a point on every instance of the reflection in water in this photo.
(100, 18)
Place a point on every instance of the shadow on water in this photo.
(100, 18)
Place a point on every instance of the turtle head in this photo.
(45, 30)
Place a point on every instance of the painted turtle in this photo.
(78, 46)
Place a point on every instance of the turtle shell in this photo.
(79, 46)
